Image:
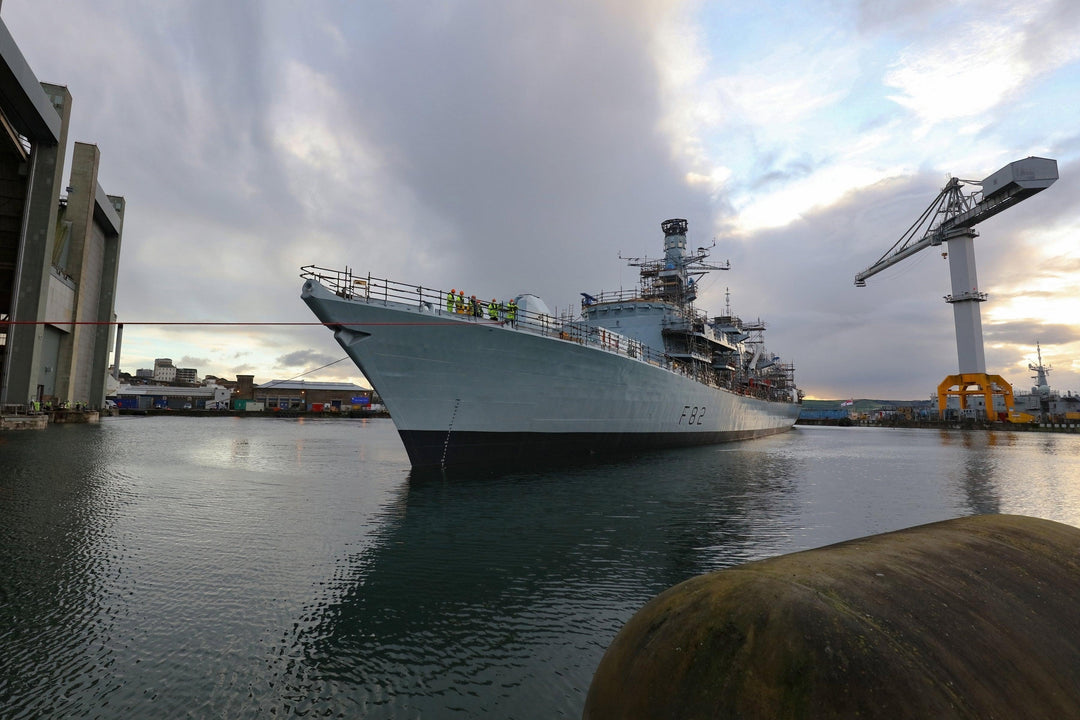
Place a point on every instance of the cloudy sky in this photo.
(502, 146)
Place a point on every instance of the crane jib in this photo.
(955, 213)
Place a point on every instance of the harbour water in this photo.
(249, 567)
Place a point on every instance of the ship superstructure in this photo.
(723, 351)
(1044, 404)
(470, 382)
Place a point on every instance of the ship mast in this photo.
(1042, 385)
(674, 278)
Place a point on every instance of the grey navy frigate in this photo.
(636, 369)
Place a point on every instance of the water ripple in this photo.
(159, 567)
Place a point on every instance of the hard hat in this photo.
(461, 293)
(453, 290)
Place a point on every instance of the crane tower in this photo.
(951, 219)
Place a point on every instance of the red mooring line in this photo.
(232, 324)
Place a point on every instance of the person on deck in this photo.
(511, 313)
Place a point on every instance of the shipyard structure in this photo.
(949, 224)
(59, 248)
(1040, 405)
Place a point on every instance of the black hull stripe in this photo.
(435, 449)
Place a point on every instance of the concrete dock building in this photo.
(59, 247)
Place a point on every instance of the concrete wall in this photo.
(43, 240)
(38, 116)
(93, 250)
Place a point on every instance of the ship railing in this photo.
(610, 296)
(347, 284)
(593, 336)
(688, 321)
(728, 321)
(337, 281)
(659, 292)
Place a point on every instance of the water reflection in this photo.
(59, 563)
(157, 567)
(974, 472)
(496, 595)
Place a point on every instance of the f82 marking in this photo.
(692, 414)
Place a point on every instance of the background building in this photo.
(187, 376)
(146, 397)
(316, 396)
(59, 257)
(164, 370)
(216, 394)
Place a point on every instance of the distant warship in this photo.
(1042, 403)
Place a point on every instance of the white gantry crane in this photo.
(950, 219)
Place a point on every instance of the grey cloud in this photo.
(874, 15)
(882, 340)
(1026, 333)
(527, 142)
(1052, 33)
(305, 358)
(777, 176)
(536, 144)
(513, 149)
(1068, 146)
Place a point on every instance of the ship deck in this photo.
(434, 303)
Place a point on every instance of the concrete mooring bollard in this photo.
(977, 617)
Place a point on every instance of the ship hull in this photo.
(466, 392)
(428, 448)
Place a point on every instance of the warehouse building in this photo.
(313, 396)
(173, 397)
